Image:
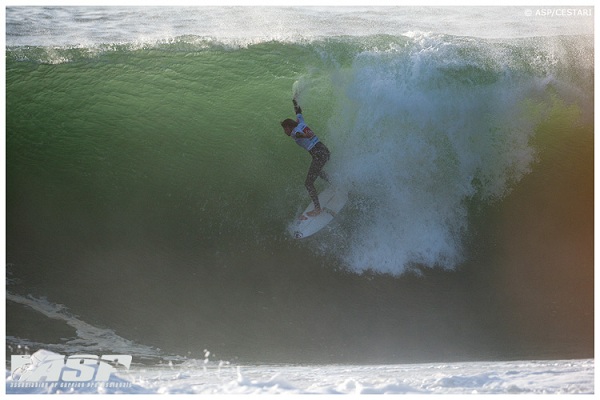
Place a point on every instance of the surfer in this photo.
(306, 138)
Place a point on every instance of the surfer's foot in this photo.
(314, 212)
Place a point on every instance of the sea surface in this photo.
(150, 187)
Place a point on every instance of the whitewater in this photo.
(150, 188)
(208, 377)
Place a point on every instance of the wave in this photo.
(132, 166)
(419, 126)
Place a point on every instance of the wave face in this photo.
(155, 174)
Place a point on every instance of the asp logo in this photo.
(45, 366)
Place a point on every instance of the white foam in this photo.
(417, 133)
(514, 377)
(68, 26)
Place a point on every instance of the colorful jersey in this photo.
(309, 140)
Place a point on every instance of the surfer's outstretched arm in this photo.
(297, 108)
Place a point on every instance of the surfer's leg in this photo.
(311, 177)
(322, 156)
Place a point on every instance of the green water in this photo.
(150, 188)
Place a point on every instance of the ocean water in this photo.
(149, 188)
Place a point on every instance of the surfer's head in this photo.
(288, 125)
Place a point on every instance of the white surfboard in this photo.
(332, 201)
